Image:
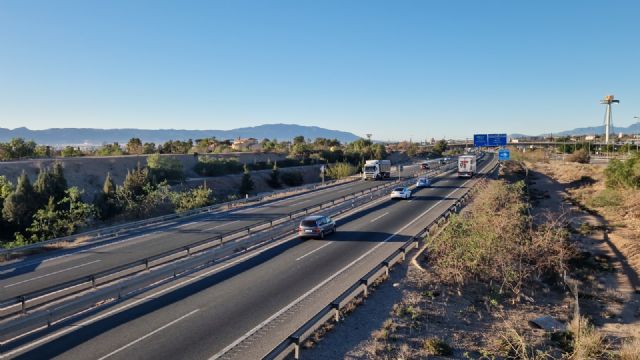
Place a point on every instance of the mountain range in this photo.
(592, 130)
(90, 136)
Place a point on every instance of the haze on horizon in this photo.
(398, 70)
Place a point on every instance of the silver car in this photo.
(316, 226)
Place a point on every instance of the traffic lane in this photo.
(116, 254)
(339, 251)
(105, 257)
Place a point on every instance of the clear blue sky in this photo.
(397, 69)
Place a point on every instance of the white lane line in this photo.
(379, 217)
(133, 303)
(187, 224)
(312, 251)
(149, 334)
(153, 295)
(303, 296)
(223, 224)
(53, 273)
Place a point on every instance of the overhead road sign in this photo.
(497, 139)
(480, 140)
(504, 154)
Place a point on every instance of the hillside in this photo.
(90, 136)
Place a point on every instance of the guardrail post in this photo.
(404, 254)
(336, 308)
(93, 281)
(23, 305)
(146, 264)
(296, 349)
(366, 288)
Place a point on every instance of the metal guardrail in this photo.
(172, 254)
(111, 232)
(292, 343)
(207, 257)
(128, 287)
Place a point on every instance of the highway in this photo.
(31, 275)
(242, 310)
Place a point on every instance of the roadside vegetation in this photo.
(501, 263)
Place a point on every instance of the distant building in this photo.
(590, 138)
(248, 144)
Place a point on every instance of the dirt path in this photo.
(611, 295)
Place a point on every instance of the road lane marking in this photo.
(379, 217)
(149, 334)
(53, 273)
(187, 224)
(312, 251)
(162, 291)
(223, 224)
(327, 280)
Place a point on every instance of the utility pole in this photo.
(608, 123)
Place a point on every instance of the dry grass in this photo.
(588, 342)
(630, 349)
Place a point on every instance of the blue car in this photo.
(423, 182)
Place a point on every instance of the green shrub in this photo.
(341, 170)
(623, 174)
(436, 347)
(192, 199)
(606, 197)
(163, 168)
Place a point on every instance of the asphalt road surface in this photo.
(245, 309)
(32, 274)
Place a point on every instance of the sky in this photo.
(395, 69)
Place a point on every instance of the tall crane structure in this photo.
(608, 122)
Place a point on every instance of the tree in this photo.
(134, 146)
(274, 177)
(61, 219)
(136, 182)
(298, 140)
(440, 147)
(149, 148)
(106, 202)
(70, 151)
(6, 188)
(50, 183)
(20, 205)
(246, 184)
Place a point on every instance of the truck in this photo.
(376, 169)
(466, 165)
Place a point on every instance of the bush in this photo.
(216, 167)
(624, 174)
(192, 199)
(579, 156)
(164, 168)
(341, 170)
(292, 178)
(606, 197)
(497, 243)
(436, 347)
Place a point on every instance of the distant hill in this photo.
(597, 130)
(76, 136)
(592, 130)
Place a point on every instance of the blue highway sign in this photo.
(504, 155)
(480, 140)
(497, 139)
